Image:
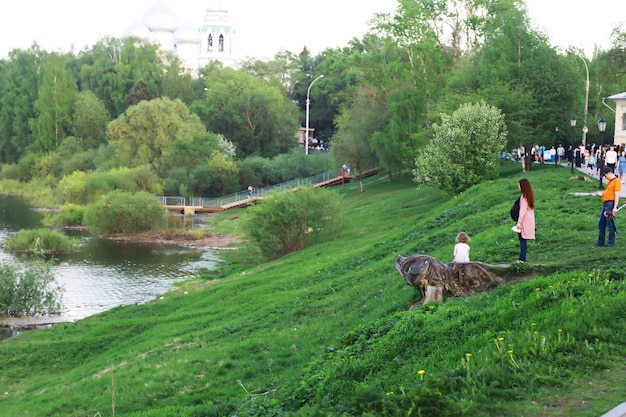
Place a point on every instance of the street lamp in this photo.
(572, 122)
(308, 102)
(556, 139)
(601, 128)
(586, 103)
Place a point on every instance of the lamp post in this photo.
(586, 103)
(556, 140)
(308, 102)
(572, 122)
(601, 128)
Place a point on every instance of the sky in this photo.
(266, 26)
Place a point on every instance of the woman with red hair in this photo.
(526, 219)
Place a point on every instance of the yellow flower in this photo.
(421, 372)
(468, 355)
(500, 339)
(510, 352)
(390, 393)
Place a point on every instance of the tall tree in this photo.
(352, 143)
(146, 132)
(249, 112)
(112, 67)
(90, 119)
(19, 85)
(55, 103)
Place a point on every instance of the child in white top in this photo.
(461, 249)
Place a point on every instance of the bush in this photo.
(289, 221)
(124, 212)
(28, 291)
(69, 215)
(40, 241)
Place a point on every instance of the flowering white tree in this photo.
(464, 149)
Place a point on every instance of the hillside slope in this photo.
(272, 338)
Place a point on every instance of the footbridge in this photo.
(193, 205)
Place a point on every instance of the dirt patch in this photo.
(210, 240)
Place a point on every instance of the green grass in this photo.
(327, 330)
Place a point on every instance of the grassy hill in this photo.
(327, 330)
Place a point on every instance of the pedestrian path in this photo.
(619, 411)
(585, 171)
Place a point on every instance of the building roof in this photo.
(137, 30)
(186, 33)
(620, 96)
(160, 18)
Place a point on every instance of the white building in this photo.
(195, 47)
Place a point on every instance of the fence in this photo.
(219, 202)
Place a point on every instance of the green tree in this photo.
(19, 85)
(146, 132)
(352, 143)
(464, 149)
(289, 221)
(90, 119)
(112, 67)
(54, 104)
(249, 112)
(224, 174)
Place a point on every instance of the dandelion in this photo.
(500, 339)
(421, 373)
(390, 393)
(537, 289)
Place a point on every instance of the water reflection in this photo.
(103, 273)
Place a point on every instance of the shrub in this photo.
(69, 215)
(124, 212)
(28, 291)
(464, 149)
(41, 241)
(289, 221)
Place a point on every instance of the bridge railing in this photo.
(218, 202)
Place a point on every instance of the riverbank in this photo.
(183, 238)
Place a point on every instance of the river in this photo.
(103, 273)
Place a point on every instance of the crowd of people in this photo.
(591, 157)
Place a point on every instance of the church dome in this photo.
(137, 30)
(186, 33)
(160, 18)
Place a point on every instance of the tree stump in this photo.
(436, 279)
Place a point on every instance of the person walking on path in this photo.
(526, 220)
(611, 158)
(610, 200)
(621, 166)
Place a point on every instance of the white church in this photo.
(195, 47)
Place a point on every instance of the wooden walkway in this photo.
(194, 208)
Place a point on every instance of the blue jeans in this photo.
(523, 247)
(603, 225)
